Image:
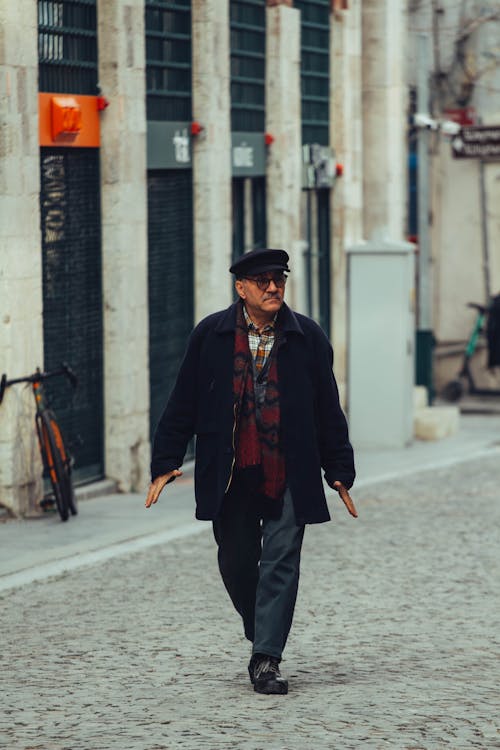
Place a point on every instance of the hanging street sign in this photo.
(479, 142)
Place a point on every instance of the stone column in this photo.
(21, 329)
(283, 122)
(346, 137)
(124, 242)
(384, 118)
(211, 155)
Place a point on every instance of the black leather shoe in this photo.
(265, 675)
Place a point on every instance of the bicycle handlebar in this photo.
(38, 376)
(480, 308)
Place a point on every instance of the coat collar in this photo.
(286, 320)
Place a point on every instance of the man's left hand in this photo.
(346, 498)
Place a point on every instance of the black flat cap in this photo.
(260, 261)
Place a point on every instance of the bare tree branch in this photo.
(471, 26)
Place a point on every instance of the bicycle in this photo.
(56, 459)
(464, 381)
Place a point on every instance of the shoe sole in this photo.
(271, 687)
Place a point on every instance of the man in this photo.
(256, 387)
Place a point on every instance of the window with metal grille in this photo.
(72, 296)
(168, 59)
(248, 65)
(315, 63)
(170, 264)
(249, 214)
(67, 46)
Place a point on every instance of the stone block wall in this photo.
(21, 333)
(346, 136)
(211, 155)
(283, 121)
(124, 242)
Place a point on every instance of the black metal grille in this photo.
(238, 200)
(248, 65)
(67, 46)
(72, 298)
(168, 60)
(259, 212)
(315, 76)
(323, 197)
(170, 235)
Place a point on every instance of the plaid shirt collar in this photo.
(260, 342)
(268, 328)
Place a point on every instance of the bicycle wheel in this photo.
(53, 463)
(66, 462)
(453, 391)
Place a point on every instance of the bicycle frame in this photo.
(57, 462)
(42, 407)
(36, 381)
(38, 377)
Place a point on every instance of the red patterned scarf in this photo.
(257, 447)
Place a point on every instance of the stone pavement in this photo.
(112, 525)
(395, 642)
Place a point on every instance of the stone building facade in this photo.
(222, 125)
(463, 68)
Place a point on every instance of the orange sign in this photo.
(69, 120)
(66, 117)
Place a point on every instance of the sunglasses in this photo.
(263, 282)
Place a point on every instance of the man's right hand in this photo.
(158, 484)
(346, 498)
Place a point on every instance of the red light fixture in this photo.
(196, 128)
(339, 169)
(268, 139)
(102, 103)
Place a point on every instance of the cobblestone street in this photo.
(395, 641)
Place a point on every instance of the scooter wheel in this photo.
(453, 391)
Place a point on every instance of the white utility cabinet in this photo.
(380, 375)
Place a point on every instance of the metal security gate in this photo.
(249, 214)
(248, 64)
(71, 234)
(323, 198)
(315, 69)
(72, 297)
(168, 60)
(170, 236)
(315, 105)
(67, 46)
(248, 85)
(316, 210)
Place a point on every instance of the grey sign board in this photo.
(318, 166)
(248, 154)
(479, 142)
(169, 145)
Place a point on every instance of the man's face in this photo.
(260, 301)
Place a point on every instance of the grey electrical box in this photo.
(380, 375)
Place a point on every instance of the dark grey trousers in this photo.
(259, 560)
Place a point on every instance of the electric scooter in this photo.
(464, 382)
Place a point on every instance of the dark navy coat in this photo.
(313, 426)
